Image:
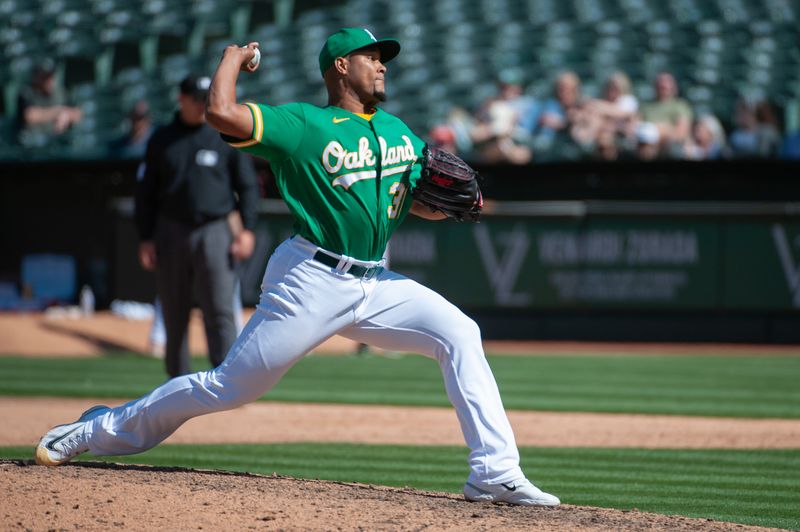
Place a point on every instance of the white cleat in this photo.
(62, 443)
(520, 492)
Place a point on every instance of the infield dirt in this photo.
(97, 496)
(106, 497)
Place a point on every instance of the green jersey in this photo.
(346, 179)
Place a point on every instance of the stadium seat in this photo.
(49, 277)
(142, 49)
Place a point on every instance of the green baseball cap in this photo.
(348, 40)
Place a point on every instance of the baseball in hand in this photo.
(256, 59)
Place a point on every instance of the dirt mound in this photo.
(99, 496)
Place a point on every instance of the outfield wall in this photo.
(604, 270)
(609, 266)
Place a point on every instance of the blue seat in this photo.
(50, 277)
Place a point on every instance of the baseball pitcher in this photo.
(349, 173)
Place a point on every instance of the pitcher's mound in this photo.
(100, 496)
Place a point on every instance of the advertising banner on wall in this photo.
(649, 263)
(545, 263)
(761, 265)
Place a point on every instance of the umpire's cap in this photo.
(348, 40)
(196, 86)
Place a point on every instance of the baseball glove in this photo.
(448, 185)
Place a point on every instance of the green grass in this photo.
(758, 386)
(758, 487)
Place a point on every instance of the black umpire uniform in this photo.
(189, 183)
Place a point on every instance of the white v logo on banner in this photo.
(503, 272)
(790, 269)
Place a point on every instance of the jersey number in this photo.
(398, 192)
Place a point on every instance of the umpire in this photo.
(188, 188)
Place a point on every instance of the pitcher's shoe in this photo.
(520, 492)
(62, 443)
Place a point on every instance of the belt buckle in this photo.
(370, 273)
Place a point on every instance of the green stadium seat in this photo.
(174, 68)
(7, 131)
(142, 49)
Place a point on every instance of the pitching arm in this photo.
(223, 113)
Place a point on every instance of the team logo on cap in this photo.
(371, 36)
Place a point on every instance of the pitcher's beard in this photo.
(380, 95)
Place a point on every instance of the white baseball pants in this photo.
(304, 302)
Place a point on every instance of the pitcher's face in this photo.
(365, 75)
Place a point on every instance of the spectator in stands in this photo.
(757, 133)
(648, 141)
(459, 122)
(133, 143)
(707, 141)
(601, 125)
(495, 132)
(43, 111)
(612, 114)
(619, 104)
(443, 136)
(671, 114)
(552, 121)
(606, 146)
